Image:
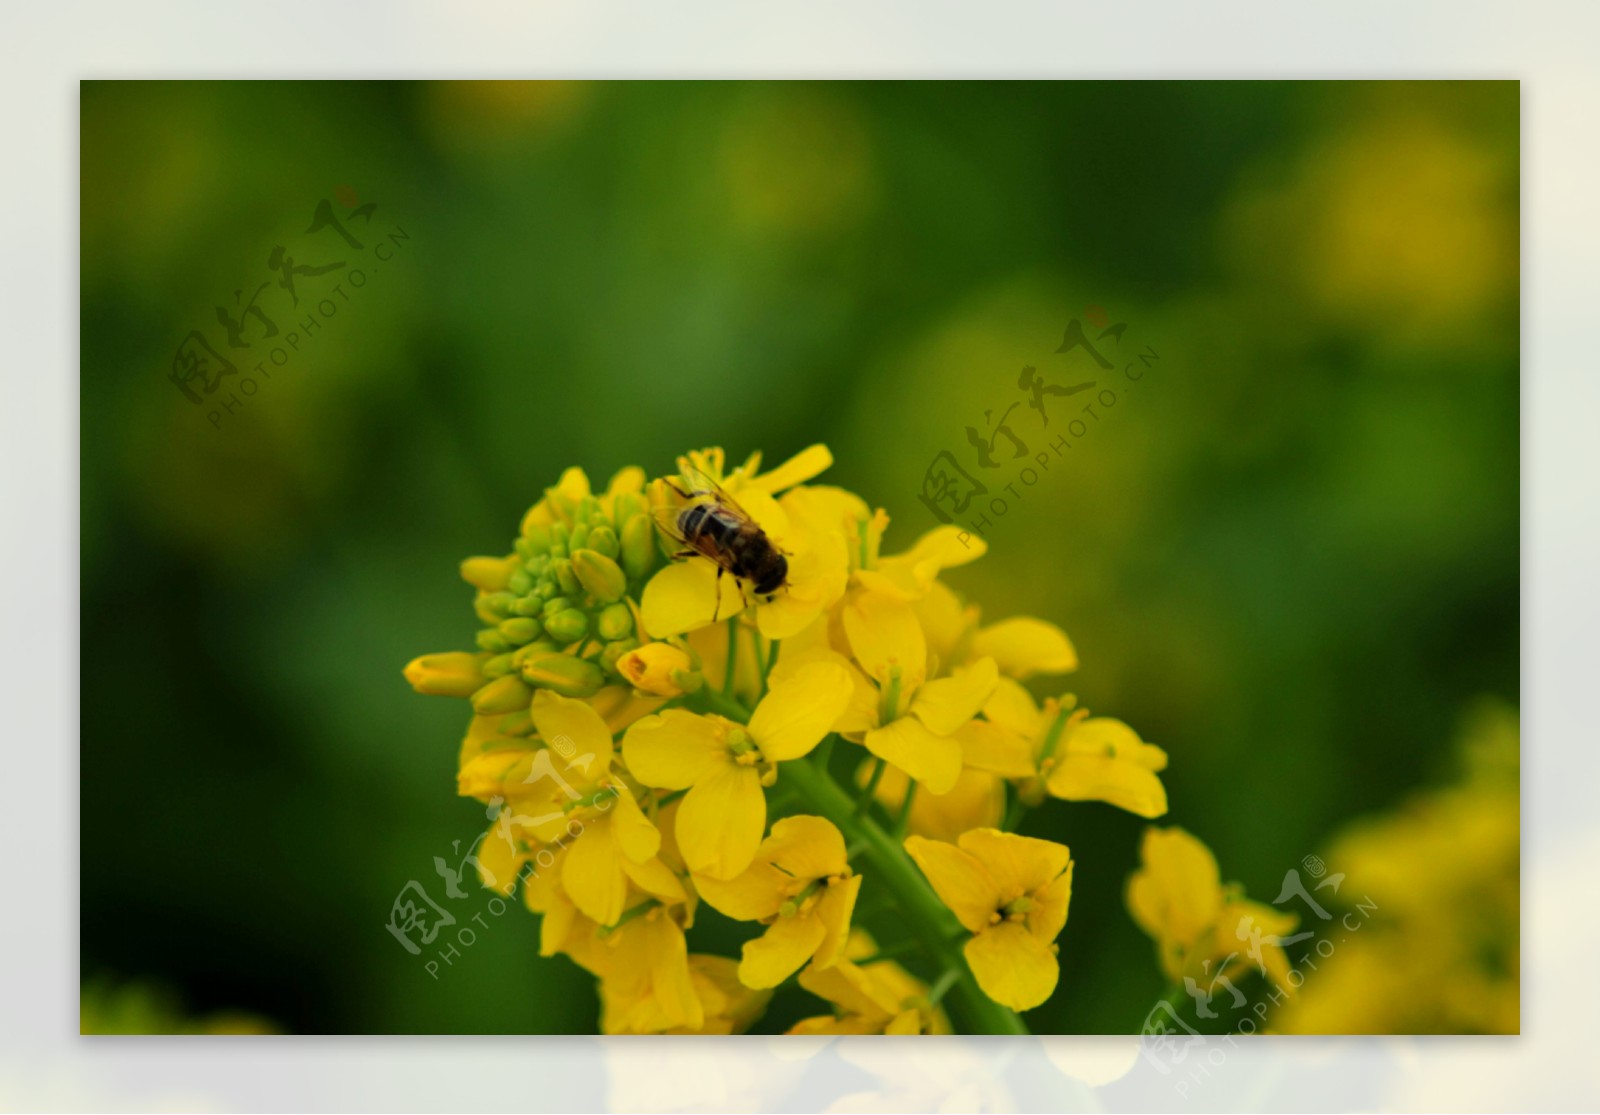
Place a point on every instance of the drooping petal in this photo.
(1018, 864)
(1014, 968)
(886, 638)
(933, 760)
(684, 595)
(947, 703)
(575, 731)
(673, 750)
(781, 951)
(958, 879)
(794, 716)
(636, 836)
(669, 972)
(720, 822)
(834, 909)
(1024, 646)
(591, 874)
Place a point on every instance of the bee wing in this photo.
(666, 520)
(700, 485)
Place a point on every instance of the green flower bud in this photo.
(532, 650)
(486, 612)
(566, 675)
(599, 574)
(520, 630)
(580, 537)
(538, 536)
(554, 605)
(492, 641)
(500, 603)
(498, 666)
(525, 549)
(603, 540)
(638, 547)
(614, 651)
(615, 622)
(568, 626)
(567, 579)
(506, 694)
(530, 605)
(519, 582)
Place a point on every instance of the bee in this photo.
(712, 525)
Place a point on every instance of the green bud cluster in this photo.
(555, 613)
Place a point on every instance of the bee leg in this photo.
(681, 554)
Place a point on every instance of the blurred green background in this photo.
(1289, 556)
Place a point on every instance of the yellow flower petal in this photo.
(1117, 781)
(989, 747)
(811, 461)
(669, 972)
(1049, 915)
(655, 878)
(822, 509)
(1014, 968)
(818, 574)
(1177, 894)
(684, 595)
(720, 821)
(1018, 864)
(806, 847)
(933, 760)
(673, 750)
(947, 703)
(1024, 646)
(794, 716)
(636, 837)
(1013, 707)
(958, 879)
(781, 951)
(592, 876)
(834, 909)
(977, 801)
(563, 722)
(886, 638)
(751, 895)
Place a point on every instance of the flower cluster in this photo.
(655, 735)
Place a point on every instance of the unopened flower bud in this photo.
(487, 573)
(520, 630)
(615, 622)
(658, 668)
(564, 674)
(505, 694)
(567, 626)
(603, 539)
(638, 547)
(599, 575)
(454, 674)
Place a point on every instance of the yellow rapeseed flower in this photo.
(1065, 752)
(724, 765)
(1011, 893)
(801, 887)
(877, 997)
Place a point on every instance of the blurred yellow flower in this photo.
(978, 800)
(1177, 897)
(1011, 893)
(801, 886)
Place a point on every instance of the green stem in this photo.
(928, 919)
(871, 787)
(733, 657)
